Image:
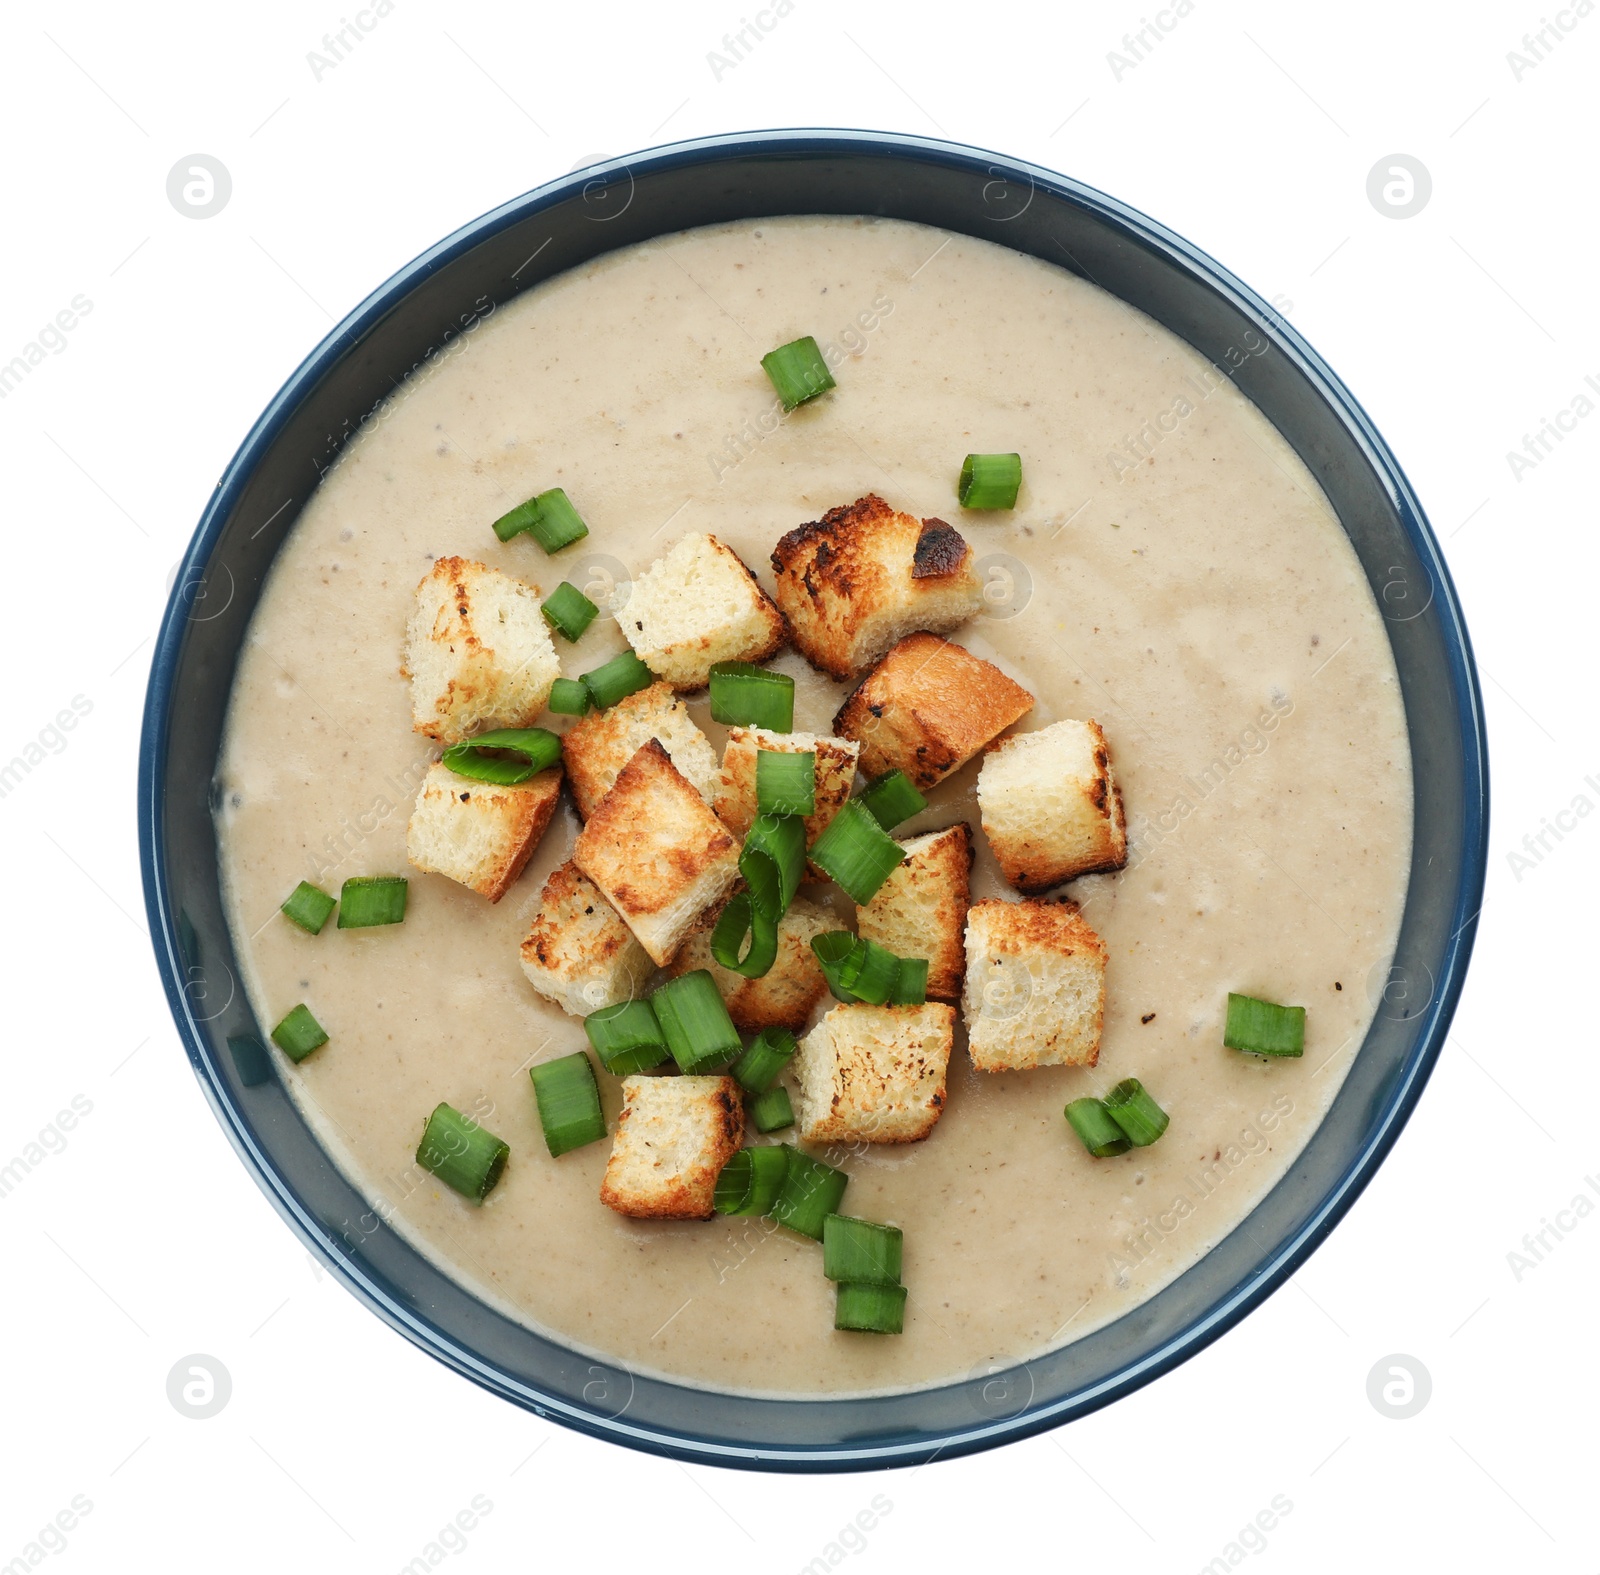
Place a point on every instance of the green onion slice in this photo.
(308, 906)
(1139, 1116)
(870, 1309)
(627, 1038)
(569, 697)
(250, 1059)
(737, 920)
(366, 901)
(743, 695)
(569, 1102)
(772, 861)
(786, 782)
(568, 611)
(990, 481)
(750, 1181)
(615, 680)
(1101, 1135)
(299, 1034)
(1263, 1028)
(771, 1111)
(910, 983)
(549, 518)
(461, 1153)
(892, 798)
(861, 970)
(506, 756)
(798, 371)
(857, 852)
(860, 1251)
(757, 1069)
(699, 1032)
(810, 1193)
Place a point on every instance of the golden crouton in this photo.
(673, 1138)
(735, 800)
(921, 909)
(1050, 804)
(698, 605)
(599, 745)
(855, 581)
(1036, 986)
(657, 853)
(478, 652)
(480, 833)
(874, 1074)
(928, 707)
(784, 995)
(579, 953)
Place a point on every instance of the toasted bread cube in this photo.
(1036, 986)
(480, 833)
(1051, 807)
(735, 799)
(673, 1138)
(478, 652)
(579, 953)
(784, 995)
(874, 1074)
(657, 853)
(598, 746)
(864, 575)
(928, 707)
(921, 909)
(698, 605)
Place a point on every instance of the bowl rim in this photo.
(1400, 1097)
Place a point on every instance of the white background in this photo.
(1251, 129)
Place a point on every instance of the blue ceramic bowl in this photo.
(565, 224)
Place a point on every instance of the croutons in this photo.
(784, 995)
(657, 853)
(921, 909)
(1050, 805)
(478, 652)
(479, 833)
(579, 953)
(698, 605)
(928, 707)
(673, 1138)
(1036, 986)
(735, 800)
(598, 746)
(855, 581)
(874, 1074)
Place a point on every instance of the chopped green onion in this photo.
(568, 611)
(1139, 1116)
(743, 695)
(699, 1032)
(569, 697)
(627, 1038)
(250, 1059)
(569, 1102)
(990, 481)
(549, 518)
(861, 970)
(461, 1153)
(757, 1069)
(737, 920)
(860, 1251)
(1263, 1028)
(518, 753)
(786, 782)
(369, 900)
(857, 852)
(299, 1034)
(615, 680)
(798, 371)
(1101, 1135)
(911, 983)
(750, 1181)
(892, 798)
(810, 1193)
(870, 1309)
(771, 1111)
(308, 906)
(772, 861)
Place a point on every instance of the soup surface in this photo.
(1171, 570)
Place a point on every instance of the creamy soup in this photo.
(1171, 570)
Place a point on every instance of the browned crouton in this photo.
(874, 1074)
(579, 953)
(599, 745)
(921, 909)
(735, 800)
(480, 833)
(673, 1138)
(784, 995)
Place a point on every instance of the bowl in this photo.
(561, 225)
